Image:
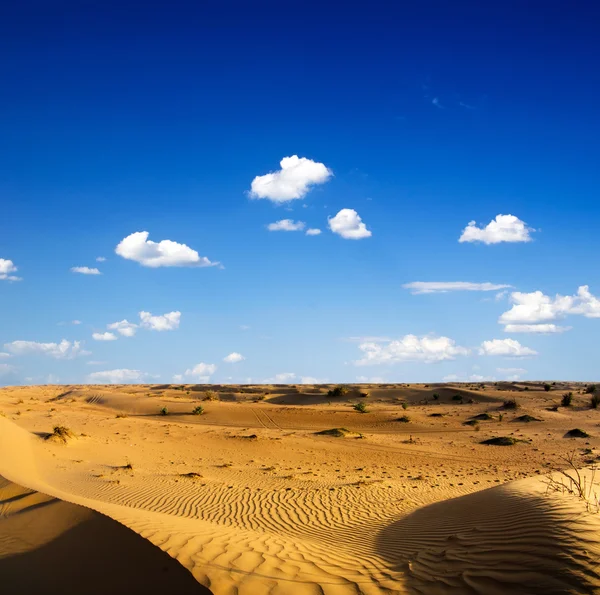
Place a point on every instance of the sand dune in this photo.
(251, 500)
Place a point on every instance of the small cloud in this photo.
(63, 350)
(5, 355)
(293, 181)
(100, 259)
(166, 322)
(504, 228)
(371, 379)
(283, 378)
(428, 349)
(201, 371)
(466, 105)
(178, 378)
(95, 363)
(166, 253)
(286, 225)
(75, 322)
(435, 101)
(6, 268)
(233, 358)
(544, 329)
(506, 348)
(104, 337)
(418, 287)
(119, 376)
(244, 327)
(123, 327)
(85, 271)
(313, 232)
(348, 224)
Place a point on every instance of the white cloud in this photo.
(6, 268)
(313, 231)
(95, 363)
(312, 380)
(4, 355)
(52, 379)
(505, 347)
(545, 329)
(63, 350)
(244, 327)
(370, 379)
(100, 259)
(201, 371)
(367, 339)
(166, 322)
(536, 307)
(512, 374)
(178, 378)
(504, 228)
(6, 369)
(349, 225)
(104, 336)
(166, 253)
(233, 358)
(85, 271)
(417, 287)
(292, 181)
(283, 378)
(471, 378)
(120, 376)
(435, 101)
(123, 327)
(286, 225)
(75, 321)
(426, 349)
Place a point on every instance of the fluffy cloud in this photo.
(545, 329)
(512, 374)
(535, 307)
(4, 355)
(123, 327)
(6, 268)
(286, 225)
(370, 379)
(6, 369)
(201, 371)
(283, 378)
(63, 350)
(504, 228)
(313, 231)
(417, 287)
(100, 259)
(426, 349)
(293, 180)
(85, 271)
(104, 336)
(166, 322)
(233, 358)
(312, 380)
(349, 225)
(166, 253)
(471, 378)
(120, 376)
(505, 347)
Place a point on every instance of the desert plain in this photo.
(300, 489)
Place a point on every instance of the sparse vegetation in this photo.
(211, 395)
(405, 406)
(60, 434)
(364, 395)
(526, 418)
(547, 387)
(336, 432)
(500, 441)
(436, 397)
(482, 417)
(566, 400)
(164, 411)
(510, 404)
(404, 419)
(198, 410)
(338, 391)
(590, 389)
(577, 433)
(594, 401)
(360, 407)
(457, 398)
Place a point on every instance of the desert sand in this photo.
(284, 489)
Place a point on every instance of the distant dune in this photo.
(254, 495)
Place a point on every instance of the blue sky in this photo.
(414, 121)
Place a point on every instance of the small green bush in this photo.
(404, 419)
(566, 400)
(164, 411)
(338, 391)
(510, 404)
(360, 407)
(436, 397)
(590, 389)
(457, 398)
(595, 401)
(547, 387)
(198, 410)
(405, 406)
